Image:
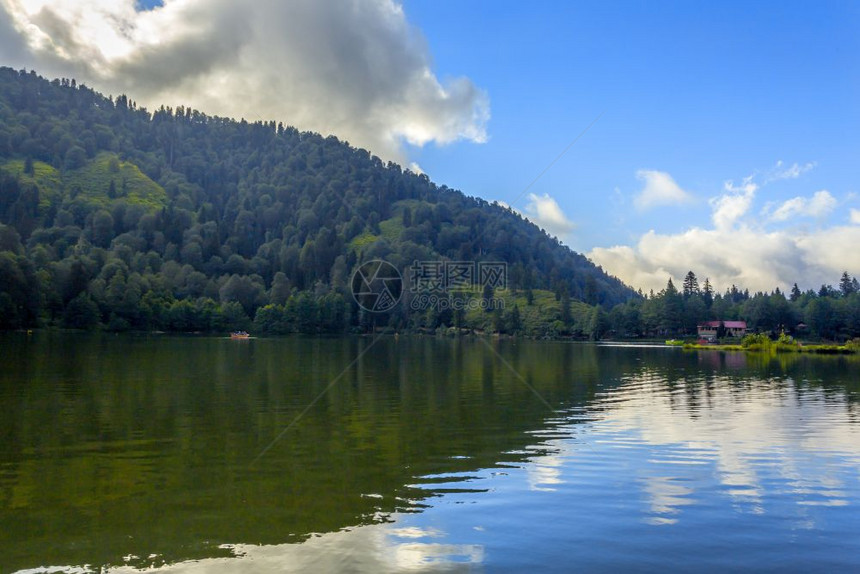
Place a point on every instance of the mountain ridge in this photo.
(263, 212)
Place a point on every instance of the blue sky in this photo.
(704, 93)
(725, 140)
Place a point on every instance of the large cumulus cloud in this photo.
(760, 253)
(353, 68)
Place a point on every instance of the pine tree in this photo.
(597, 323)
(734, 294)
(846, 285)
(672, 308)
(691, 285)
(795, 293)
(708, 293)
(565, 308)
(670, 288)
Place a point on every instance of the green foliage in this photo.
(598, 323)
(756, 341)
(834, 316)
(763, 343)
(19, 291)
(173, 220)
(95, 179)
(785, 343)
(81, 313)
(303, 313)
(361, 242)
(691, 284)
(43, 176)
(391, 228)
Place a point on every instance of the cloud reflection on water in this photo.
(692, 441)
(373, 548)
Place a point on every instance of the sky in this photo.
(655, 138)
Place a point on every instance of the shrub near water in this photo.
(761, 342)
(787, 344)
(756, 342)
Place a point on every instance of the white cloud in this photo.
(545, 212)
(750, 258)
(734, 204)
(829, 252)
(788, 209)
(819, 205)
(625, 263)
(660, 189)
(354, 68)
(794, 171)
(737, 252)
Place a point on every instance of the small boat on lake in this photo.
(240, 335)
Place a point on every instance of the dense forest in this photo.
(119, 218)
(116, 217)
(831, 313)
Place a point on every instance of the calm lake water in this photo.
(121, 453)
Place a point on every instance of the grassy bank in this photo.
(785, 344)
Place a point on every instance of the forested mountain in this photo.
(113, 215)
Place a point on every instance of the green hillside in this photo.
(114, 216)
(100, 182)
(106, 179)
(42, 176)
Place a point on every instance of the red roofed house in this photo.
(708, 329)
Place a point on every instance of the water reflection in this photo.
(427, 455)
(766, 437)
(373, 548)
(755, 446)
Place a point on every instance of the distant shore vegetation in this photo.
(116, 218)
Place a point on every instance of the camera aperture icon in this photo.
(377, 286)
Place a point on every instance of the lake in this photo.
(205, 454)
